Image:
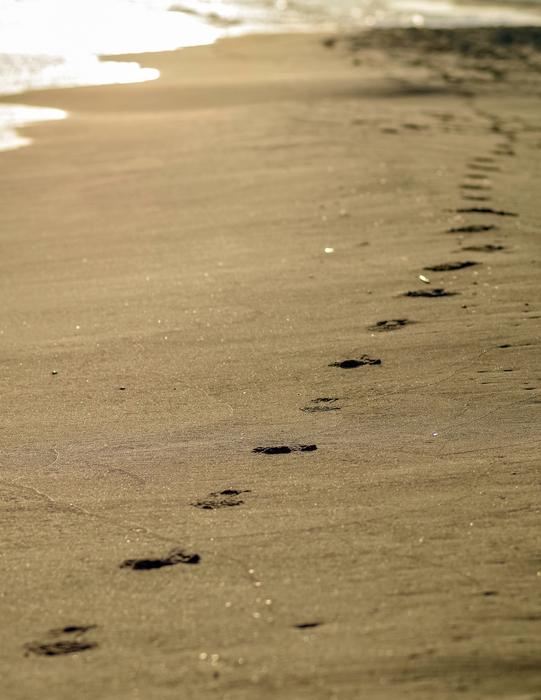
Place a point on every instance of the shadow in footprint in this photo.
(472, 228)
(431, 293)
(352, 364)
(221, 499)
(488, 248)
(68, 646)
(307, 625)
(175, 556)
(448, 267)
(485, 210)
(320, 409)
(72, 629)
(59, 647)
(284, 449)
(392, 324)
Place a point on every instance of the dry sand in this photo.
(168, 306)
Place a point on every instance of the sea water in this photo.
(58, 43)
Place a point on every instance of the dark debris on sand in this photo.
(175, 556)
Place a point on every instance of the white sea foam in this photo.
(56, 43)
(13, 116)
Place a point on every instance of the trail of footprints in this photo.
(74, 639)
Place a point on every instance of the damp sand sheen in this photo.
(235, 465)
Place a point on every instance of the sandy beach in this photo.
(247, 452)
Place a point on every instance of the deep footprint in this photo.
(70, 646)
(472, 228)
(448, 267)
(284, 449)
(430, 293)
(352, 364)
(488, 248)
(72, 629)
(392, 324)
(221, 499)
(485, 210)
(175, 556)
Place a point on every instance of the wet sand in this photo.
(247, 451)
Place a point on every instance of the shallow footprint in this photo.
(59, 647)
(438, 292)
(284, 449)
(318, 408)
(221, 499)
(487, 248)
(448, 267)
(392, 324)
(352, 364)
(68, 646)
(472, 228)
(175, 556)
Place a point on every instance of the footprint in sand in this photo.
(484, 168)
(472, 228)
(430, 293)
(175, 556)
(307, 625)
(484, 210)
(322, 404)
(392, 324)
(221, 499)
(450, 266)
(468, 186)
(65, 640)
(476, 176)
(284, 449)
(487, 248)
(352, 364)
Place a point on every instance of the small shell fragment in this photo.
(424, 279)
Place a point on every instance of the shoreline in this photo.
(12, 140)
(219, 261)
